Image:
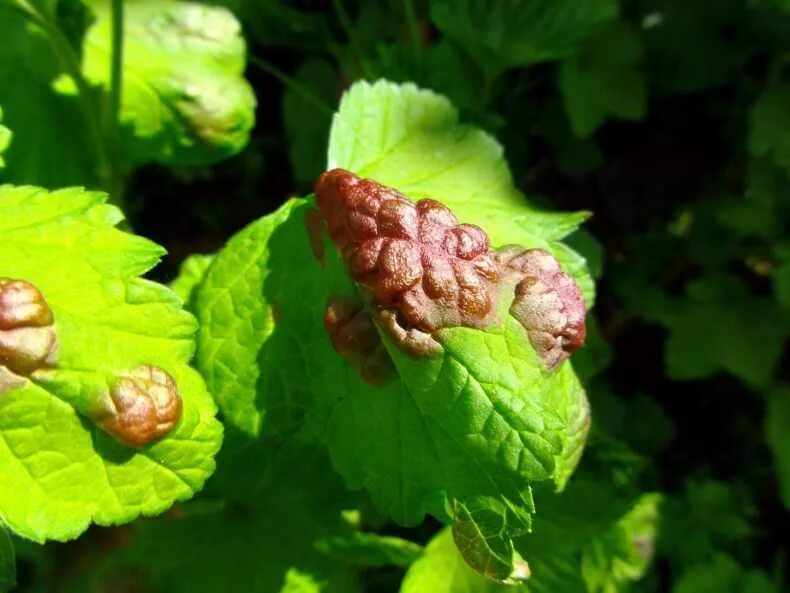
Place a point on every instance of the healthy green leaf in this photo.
(5, 139)
(190, 275)
(306, 122)
(719, 326)
(777, 416)
(722, 573)
(602, 79)
(60, 471)
(38, 115)
(7, 562)
(370, 549)
(501, 34)
(272, 547)
(185, 101)
(610, 546)
(770, 117)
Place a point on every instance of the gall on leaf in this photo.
(28, 340)
(425, 271)
(143, 406)
(548, 303)
(355, 338)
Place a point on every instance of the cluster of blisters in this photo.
(143, 405)
(426, 271)
(27, 334)
(548, 303)
(414, 258)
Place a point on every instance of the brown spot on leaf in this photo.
(315, 231)
(144, 406)
(27, 335)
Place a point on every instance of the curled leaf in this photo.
(27, 335)
(145, 406)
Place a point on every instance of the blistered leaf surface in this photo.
(60, 470)
(479, 419)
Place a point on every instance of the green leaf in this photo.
(603, 79)
(185, 101)
(38, 115)
(708, 516)
(442, 570)
(501, 34)
(5, 139)
(411, 139)
(370, 549)
(7, 562)
(60, 471)
(585, 540)
(271, 547)
(623, 553)
(781, 274)
(770, 116)
(478, 423)
(307, 116)
(722, 573)
(190, 275)
(777, 417)
(719, 326)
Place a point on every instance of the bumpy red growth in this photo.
(355, 338)
(415, 258)
(144, 406)
(548, 303)
(27, 336)
(426, 271)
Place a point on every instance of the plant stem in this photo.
(113, 124)
(71, 62)
(414, 29)
(297, 87)
(345, 22)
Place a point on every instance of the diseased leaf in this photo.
(501, 34)
(7, 562)
(777, 419)
(411, 139)
(478, 420)
(60, 470)
(602, 79)
(185, 101)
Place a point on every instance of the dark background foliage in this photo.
(686, 172)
